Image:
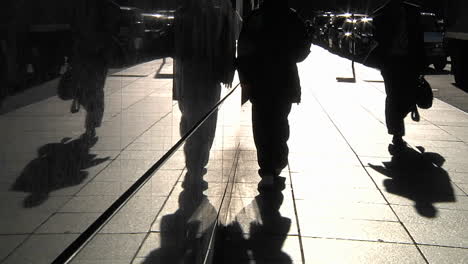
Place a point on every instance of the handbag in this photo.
(65, 89)
(424, 96)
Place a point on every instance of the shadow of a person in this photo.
(58, 165)
(418, 176)
(185, 234)
(266, 237)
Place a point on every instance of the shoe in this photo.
(397, 147)
(266, 183)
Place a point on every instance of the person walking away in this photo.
(94, 24)
(273, 39)
(399, 35)
(204, 58)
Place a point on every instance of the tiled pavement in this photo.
(337, 206)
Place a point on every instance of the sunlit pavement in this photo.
(342, 207)
(338, 206)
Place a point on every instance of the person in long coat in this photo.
(400, 40)
(273, 39)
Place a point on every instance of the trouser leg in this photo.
(394, 117)
(271, 133)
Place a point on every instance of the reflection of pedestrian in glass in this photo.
(204, 58)
(401, 47)
(269, 77)
(93, 25)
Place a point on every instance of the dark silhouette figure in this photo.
(58, 165)
(419, 177)
(266, 234)
(204, 55)
(269, 78)
(94, 25)
(204, 58)
(399, 35)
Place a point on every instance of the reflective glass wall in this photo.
(92, 95)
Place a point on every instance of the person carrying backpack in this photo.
(273, 39)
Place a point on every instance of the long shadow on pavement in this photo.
(268, 231)
(58, 165)
(419, 177)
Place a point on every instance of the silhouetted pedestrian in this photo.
(94, 24)
(204, 58)
(400, 40)
(273, 39)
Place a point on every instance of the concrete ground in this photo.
(345, 200)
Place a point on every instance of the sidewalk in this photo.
(338, 206)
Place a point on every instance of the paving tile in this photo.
(334, 177)
(124, 222)
(114, 247)
(151, 243)
(447, 228)
(40, 249)
(67, 223)
(88, 204)
(308, 211)
(100, 188)
(143, 204)
(353, 229)
(441, 255)
(22, 222)
(463, 187)
(12, 204)
(348, 251)
(8, 243)
(261, 248)
(317, 193)
(459, 177)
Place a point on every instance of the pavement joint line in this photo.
(361, 240)
(156, 217)
(123, 86)
(442, 246)
(381, 192)
(230, 184)
(301, 245)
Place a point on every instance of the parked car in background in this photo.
(360, 40)
(338, 26)
(320, 27)
(434, 46)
